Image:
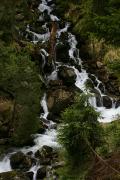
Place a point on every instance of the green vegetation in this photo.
(94, 17)
(20, 80)
(112, 134)
(80, 131)
(19, 75)
(83, 138)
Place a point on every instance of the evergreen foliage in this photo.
(80, 130)
(20, 79)
(94, 17)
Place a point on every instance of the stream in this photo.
(50, 136)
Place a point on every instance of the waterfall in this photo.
(49, 137)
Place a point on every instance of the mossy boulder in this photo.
(59, 99)
(67, 75)
(20, 161)
(46, 155)
(41, 173)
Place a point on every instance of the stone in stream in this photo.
(41, 173)
(45, 152)
(107, 102)
(13, 175)
(63, 48)
(101, 87)
(93, 78)
(117, 103)
(59, 99)
(21, 161)
(30, 175)
(46, 155)
(67, 75)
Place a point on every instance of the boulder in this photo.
(20, 161)
(107, 102)
(101, 87)
(46, 155)
(59, 99)
(67, 75)
(30, 175)
(93, 78)
(46, 152)
(64, 48)
(117, 103)
(13, 175)
(41, 173)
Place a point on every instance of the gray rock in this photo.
(117, 103)
(67, 75)
(41, 173)
(107, 102)
(59, 99)
(20, 161)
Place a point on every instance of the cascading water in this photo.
(49, 137)
(107, 115)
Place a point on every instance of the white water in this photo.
(5, 164)
(107, 115)
(38, 37)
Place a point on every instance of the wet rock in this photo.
(46, 151)
(117, 103)
(20, 161)
(67, 75)
(13, 175)
(30, 153)
(107, 102)
(54, 118)
(64, 48)
(93, 78)
(30, 175)
(41, 173)
(45, 155)
(59, 99)
(101, 87)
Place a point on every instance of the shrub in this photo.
(80, 130)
